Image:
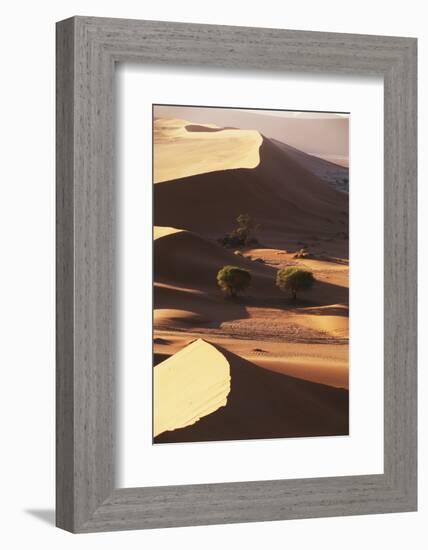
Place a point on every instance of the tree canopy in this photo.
(233, 279)
(243, 234)
(294, 279)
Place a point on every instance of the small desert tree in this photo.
(243, 234)
(246, 227)
(294, 279)
(233, 279)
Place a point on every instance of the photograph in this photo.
(250, 274)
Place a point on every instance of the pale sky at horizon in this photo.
(267, 112)
(295, 114)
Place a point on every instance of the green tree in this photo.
(294, 279)
(233, 279)
(246, 228)
(243, 234)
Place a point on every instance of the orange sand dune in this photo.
(333, 169)
(181, 309)
(159, 232)
(189, 385)
(264, 404)
(182, 149)
(184, 260)
(187, 260)
(339, 160)
(186, 295)
(323, 363)
(322, 368)
(280, 193)
(335, 325)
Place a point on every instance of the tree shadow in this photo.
(209, 310)
(322, 294)
(185, 271)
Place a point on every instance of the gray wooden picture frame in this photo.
(87, 50)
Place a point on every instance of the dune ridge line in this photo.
(191, 384)
(180, 152)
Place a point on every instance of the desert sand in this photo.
(262, 404)
(319, 134)
(289, 372)
(280, 192)
(189, 385)
(182, 149)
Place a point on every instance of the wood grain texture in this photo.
(64, 277)
(87, 49)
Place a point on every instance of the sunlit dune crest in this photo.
(323, 133)
(263, 404)
(177, 317)
(183, 149)
(191, 384)
(161, 231)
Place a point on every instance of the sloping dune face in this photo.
(188, 260)
(186, 295)
(264, 404)
(277, 190)
(193, 383)
(183, 150)
(332, 169)
(159, 232)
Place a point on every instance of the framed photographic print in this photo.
(236, 274)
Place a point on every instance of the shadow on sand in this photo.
(279, 193)
(263, 405)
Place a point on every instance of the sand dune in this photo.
(189, 385)
(315, 134)
(332, 320)
(186, 294)
(262, 404)
(187, 297)
(180, 310)
(322, 367)
(333, 169)
(159, 232)
(323, 363)
(279, 192)
(178, 318)
(183, 150)
(339, 160)
(191, 261)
